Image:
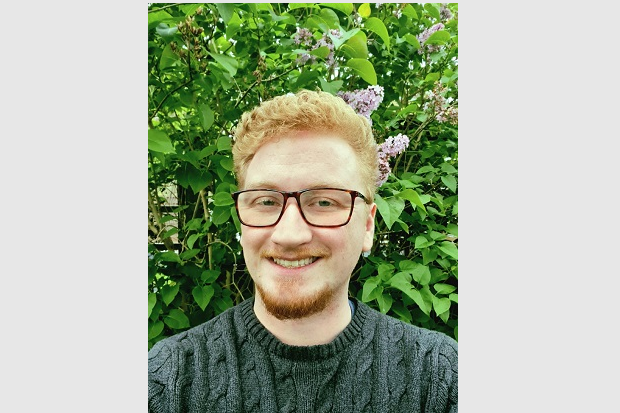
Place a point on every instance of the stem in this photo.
(158, 226)
(209, 235)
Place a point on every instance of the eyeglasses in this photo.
(319, 207)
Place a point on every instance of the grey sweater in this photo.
(231, 363)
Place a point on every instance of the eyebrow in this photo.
(271, 185)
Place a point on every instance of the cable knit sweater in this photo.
(231, 363)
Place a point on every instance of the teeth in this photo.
(294, 264)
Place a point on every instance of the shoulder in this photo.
(166, 353)
(408, 337)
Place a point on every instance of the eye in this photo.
(266, 201)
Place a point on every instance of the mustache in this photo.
(295, 253)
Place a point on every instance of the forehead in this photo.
(304, 160)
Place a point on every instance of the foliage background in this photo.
(208, 63)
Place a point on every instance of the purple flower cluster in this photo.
(364, 101)
(445, 13)
(305, 38)
(393, 146)
(423, 37)
(440, 106)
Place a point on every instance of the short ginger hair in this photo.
(306, 111)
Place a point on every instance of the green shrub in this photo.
(208, 63)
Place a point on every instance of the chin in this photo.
(290, 305)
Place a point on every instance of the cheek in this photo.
(249, 240)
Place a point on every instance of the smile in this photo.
(295, 264)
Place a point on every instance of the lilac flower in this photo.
(444, 12)
(364, 101)
(440, 107)
(392, 147)
(304, 37)
(423, 37)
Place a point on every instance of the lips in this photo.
(295, 263)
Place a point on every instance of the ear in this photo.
(369, 234)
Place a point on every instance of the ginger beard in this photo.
(288, 301)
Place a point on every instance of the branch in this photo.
(166, 97)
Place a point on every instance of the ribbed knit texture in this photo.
(233, 364)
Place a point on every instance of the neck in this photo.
(320, 328)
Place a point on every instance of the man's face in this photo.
(298, 269)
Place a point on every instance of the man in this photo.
(306, 165)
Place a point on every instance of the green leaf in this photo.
(155, 329)
(224, 143)
(168, 58)
(306, 77)
(416, 296)
(432, 10)
(401, 281)
(389, 209)
(432, 77)
(220, 215)
(385, 271)
(168, 293)
(412, 196)
(412, 40)
(321, 52)
(223, 199)
(364, 69)
(442, 288)
(330, 87)
(385, 302)
(192, 239)
(227, 163)
(450, 249)
(209, 276)
(206, 116)
(441, 305)
(152, 301)
(410, 12)
(331, 18)
(454, 297)
(439, 37)
(447, 168)
(344, 36)
(369, 291)
(449, 181)
(189, 254)
(203, 295)
(422, 242)
(421, 274)
(176, 319)
(406, 265)
(346, 8)
(164, 30)
(364, 10)
(227, 62)
(158, 16)
(225, 10)
(375, 25)
(453, 229)
(356, 46)
(170, 256)
(159, 141)
(198, 179)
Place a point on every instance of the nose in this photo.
(292, 229)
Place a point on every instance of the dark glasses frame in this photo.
(296, 195)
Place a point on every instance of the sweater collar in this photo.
(271, 343)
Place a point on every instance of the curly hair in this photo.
(319, 112)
